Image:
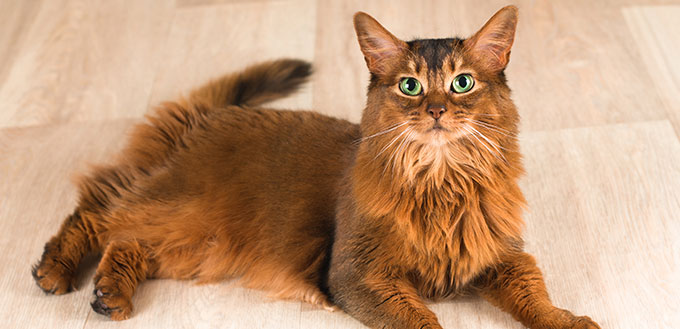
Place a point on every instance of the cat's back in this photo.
(277, 146)
(240, 159)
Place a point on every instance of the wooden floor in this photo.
(597, 84)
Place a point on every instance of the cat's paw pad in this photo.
(52, 277)
(113, 305)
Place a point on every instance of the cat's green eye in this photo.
(462, 83)
(410, 86)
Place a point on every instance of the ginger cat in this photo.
(419, 201)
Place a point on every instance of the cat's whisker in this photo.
(392, 128)
(490, 114)
(400, 148)
(394, 154)
(479, 140)
(392, 142)
(494, 145)
(488, 124)
(493, 128)
(392, 158)
(498, 154)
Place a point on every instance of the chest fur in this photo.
(441, 260)
(449, 222)
(455, 240)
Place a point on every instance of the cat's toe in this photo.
(114, 306)
(52, 277)
(101, 308)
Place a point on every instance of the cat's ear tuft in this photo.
(379, 46)
(492, 43)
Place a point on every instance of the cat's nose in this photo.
(436, 111)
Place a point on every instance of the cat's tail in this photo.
(256, 84)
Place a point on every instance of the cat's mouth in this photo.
(443, 134)
(437, 127)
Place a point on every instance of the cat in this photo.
(419, 201)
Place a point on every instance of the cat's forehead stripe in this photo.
(433, 51)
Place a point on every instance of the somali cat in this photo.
(419, 201)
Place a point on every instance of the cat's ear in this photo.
(379, 46)
(492, 43)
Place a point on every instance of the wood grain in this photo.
(584, 49)
(13, 30)
(596, 84)
(35, 196)
(208, 41)
(85, 60)
(657, 34)
(603, 220)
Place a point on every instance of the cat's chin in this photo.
(441, 136)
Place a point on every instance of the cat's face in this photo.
(438, 93)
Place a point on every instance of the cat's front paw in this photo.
(584, 322)
(110, 303)
(53, 277)
(563, 319)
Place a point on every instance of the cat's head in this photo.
(430, 101)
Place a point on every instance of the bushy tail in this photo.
(256, 84)
(152, 143)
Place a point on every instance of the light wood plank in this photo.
(602, 221)
(176, 304)
(189, 3)
(208, 41)
(85, 60)
(35, 196)
(576, 66)
(19, 17)
(657, 33)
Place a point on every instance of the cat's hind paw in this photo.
(113, 305)
(52, 277)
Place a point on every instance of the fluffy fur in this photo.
(418, 201)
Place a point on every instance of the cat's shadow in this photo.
(86, 270)
(472, 310)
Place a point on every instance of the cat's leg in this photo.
(387, 303)
(124, 265)
(55, 272)
(517, 287)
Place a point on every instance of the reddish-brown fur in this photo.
(302, 205)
